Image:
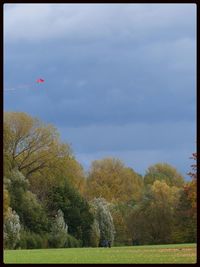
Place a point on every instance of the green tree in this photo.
(6, 202)
(76, 210)
(139, 227)
(58, 231)
(11, 229)
(95, 234)
(25, 203)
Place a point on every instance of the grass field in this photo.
(184, 253)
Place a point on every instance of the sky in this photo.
(120, 79)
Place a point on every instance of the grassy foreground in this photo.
(184, 253)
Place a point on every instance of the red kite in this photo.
(40, 80)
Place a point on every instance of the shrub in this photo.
(31, 240)
(72, 242)
(11, 229)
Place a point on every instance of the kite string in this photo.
(23, 86)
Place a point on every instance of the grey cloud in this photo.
(36, 22)
(148, 83)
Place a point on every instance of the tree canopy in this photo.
(111, 179)
(50, 201)
(163, 172)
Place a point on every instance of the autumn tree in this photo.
(151, 220)
(185, 224)
(43, 180)
(110, 179)
(193, 172)
(163, 172)
(120, 212)
(35, 149)
(191, 186)
(185, 228)
(7, 158)
(30, 144)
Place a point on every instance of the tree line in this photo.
(51, 202)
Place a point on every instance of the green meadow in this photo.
(183, 253)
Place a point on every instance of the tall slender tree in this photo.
(104, 218)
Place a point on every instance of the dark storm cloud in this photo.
(112, 89)
(117, 77)
(137, 136)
